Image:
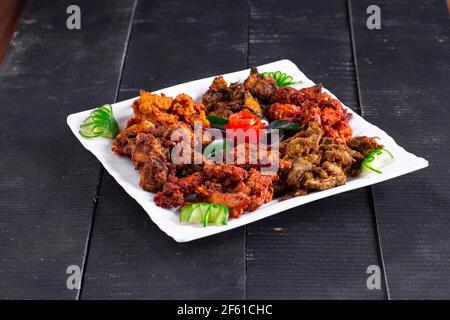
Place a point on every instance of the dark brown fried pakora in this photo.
(319, 163)
(125, 140)
(150, 158)
(222, 100)
(261, 88)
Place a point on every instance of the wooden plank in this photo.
(403, 74)
(323, 249)
(130, 257)
(47, 180)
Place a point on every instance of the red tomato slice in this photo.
(244, 119)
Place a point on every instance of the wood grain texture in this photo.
(320, 250)
(47, 180)
(130, 258)
(404, 71)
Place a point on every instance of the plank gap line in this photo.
(369, 189)
(101, 168)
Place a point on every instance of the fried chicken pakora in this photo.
(261, 88)
(319, 163)
(320, 157)
(222, 100)
(310, 105)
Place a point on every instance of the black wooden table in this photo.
(58, 207)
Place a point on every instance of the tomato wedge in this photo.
(244, 119)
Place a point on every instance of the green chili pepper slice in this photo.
(375, 160)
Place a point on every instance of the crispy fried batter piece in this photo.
(309, 105)
(253, 105)
(302, 151)
(364, 145)
(334, 118)
(236, 202)
(261, 88)
(308, 171)
(150, 158)
(328, 176)
(306, 114)
(170, 196)
(188, 111)
(176, 190)
(283, 95)
(259, 188)
(152, 115)
(302, 144)
(240, 190)
(126, 140)
(225, 174)
(153, 107)
(222, 100)
(245, 191)
(147, 101)
(319, 163)
(149, 137)
(285, 111)
(297, 97)
(166, 134)
(342, 155)
(253, 156)
(309, 93)
(163, 110)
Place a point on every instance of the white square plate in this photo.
(122, 169)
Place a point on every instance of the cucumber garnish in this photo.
(100, 123)
(204, 213)
(375, 160)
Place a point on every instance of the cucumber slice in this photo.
(218, 214)
(214, 213)
(204, 213)
(186, 212)
(196, 213)
(225, 215)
